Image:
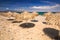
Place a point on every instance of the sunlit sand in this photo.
(14, 31)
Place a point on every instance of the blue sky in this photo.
(31, 5)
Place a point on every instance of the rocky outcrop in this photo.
(52, 19)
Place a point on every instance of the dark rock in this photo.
(27, 25)
(52, 33)
(16, 21)
(34, 20)
(10, 19)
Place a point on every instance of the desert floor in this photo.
(12, 31)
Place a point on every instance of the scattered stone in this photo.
(34, 20)
(27, 25)
(44, 22)
(10, 19)
(16, 21)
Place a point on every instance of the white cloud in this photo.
(45, 7)
(7, 8)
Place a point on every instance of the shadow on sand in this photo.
(52, 33)
(27, 25)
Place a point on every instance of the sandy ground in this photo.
(12, 31)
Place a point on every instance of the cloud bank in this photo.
(45, 7)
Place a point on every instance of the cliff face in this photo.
(53, 19)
